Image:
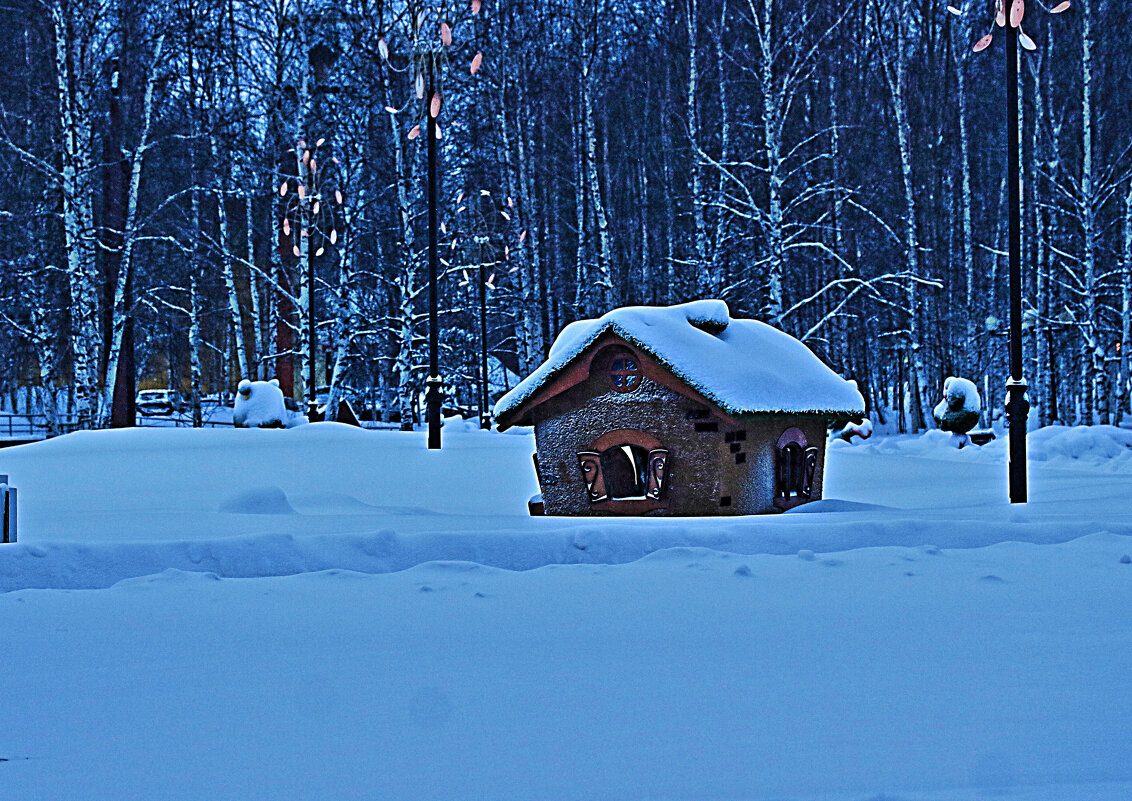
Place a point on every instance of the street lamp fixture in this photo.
(1017, 406)
(433, 382)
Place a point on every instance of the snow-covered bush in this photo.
(863, 429)
(958, 412)
(259, 404)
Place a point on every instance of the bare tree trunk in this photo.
(528, 214)
(260, 324)
(302, 117)
(404, 284)
(965, 202)
(1123, 402)
(646, 276)
(1092, 356)
(73, 86)
(668, 145)
(196, 310)
(603, 297)
(581, 271)
(704, 280)
(1043, 162)
(129, 235)
(773, 96)
(896, 73)
(43, 336)
(718, 276)
(347, 307)
(235, 316)
(526, 327)
(842, 337)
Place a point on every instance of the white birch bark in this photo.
(1043, 379)
(255, 368)
(774, 100)
(896, 73)
(603, 297)
(526, 323)
(1092, 357)
(43, 338)
(960, 55)
(404, 285)
(196, 339)
(718, 252)
(529, 217)
(1124, 384)
(74, 105)
(347, 304)
(235, 316)
(581, 271)
(704, 280)
(668, 144)
(302, 117)
(196, 307)
(304, 224)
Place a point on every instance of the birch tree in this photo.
(77, 42)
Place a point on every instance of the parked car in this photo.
(158, 401)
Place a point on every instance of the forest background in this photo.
(174, 172)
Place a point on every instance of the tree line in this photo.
(188, 184)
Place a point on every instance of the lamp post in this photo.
(312, 344)
(1017, 407)
(428, 50)
(433, 382)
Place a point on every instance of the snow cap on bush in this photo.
(259, 404)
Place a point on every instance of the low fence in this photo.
(20, 428)
(35, 426)
(177, 421)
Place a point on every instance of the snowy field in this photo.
(328, 613)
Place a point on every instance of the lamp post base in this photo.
(1017, 412)
(432, 402)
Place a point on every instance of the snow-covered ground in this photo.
(328, 613)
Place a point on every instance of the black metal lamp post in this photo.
(312, 343)
(1017, 407)
(433, 382)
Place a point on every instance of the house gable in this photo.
(591, 363)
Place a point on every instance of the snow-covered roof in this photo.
(742, 366)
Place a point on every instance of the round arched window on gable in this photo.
(625, 371)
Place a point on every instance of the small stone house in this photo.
(678, 410)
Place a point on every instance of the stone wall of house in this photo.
(714, 467)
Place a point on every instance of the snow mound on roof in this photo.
(708, 315)
(743, 366)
